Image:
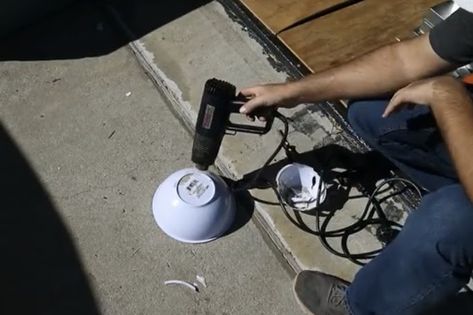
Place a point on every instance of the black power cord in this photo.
(247, 184)
(372, 215)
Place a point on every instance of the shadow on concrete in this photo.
(91, 28)
(245, 208)
(341, 170)
(333, 161)
(40, 270)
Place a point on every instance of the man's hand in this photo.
(439, 90)
(270, 95)
(452, 108)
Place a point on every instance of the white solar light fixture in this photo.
(465, 4)
(194, 206)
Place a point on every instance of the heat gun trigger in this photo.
(267, 113)
(261, 113)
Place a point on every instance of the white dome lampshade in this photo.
(194, 206)
(465, 4)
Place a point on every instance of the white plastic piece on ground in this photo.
(465, 4)
(189, 285)
(202, 281)
(128, 94)
(194, 206)
(299, 186)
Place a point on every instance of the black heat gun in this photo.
(219, 101)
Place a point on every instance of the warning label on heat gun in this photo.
(208, 116)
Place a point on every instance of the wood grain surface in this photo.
(354, 31)
(279, 14)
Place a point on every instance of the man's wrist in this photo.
(448, 92)
(294, 92)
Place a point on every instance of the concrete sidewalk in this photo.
(101, 138)
(208, 42)
(102, 126)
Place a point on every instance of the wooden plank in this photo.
(279, 14)
(353, 31)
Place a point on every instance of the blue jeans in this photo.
(432, 257)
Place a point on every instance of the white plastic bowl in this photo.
(193, 206)
(299, 186)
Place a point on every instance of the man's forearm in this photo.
(454, 117)
(380, 72)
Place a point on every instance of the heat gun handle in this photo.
(251, 129)
(267, 113)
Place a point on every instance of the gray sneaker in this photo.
(321, 294)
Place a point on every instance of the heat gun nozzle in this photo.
(201, 167)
